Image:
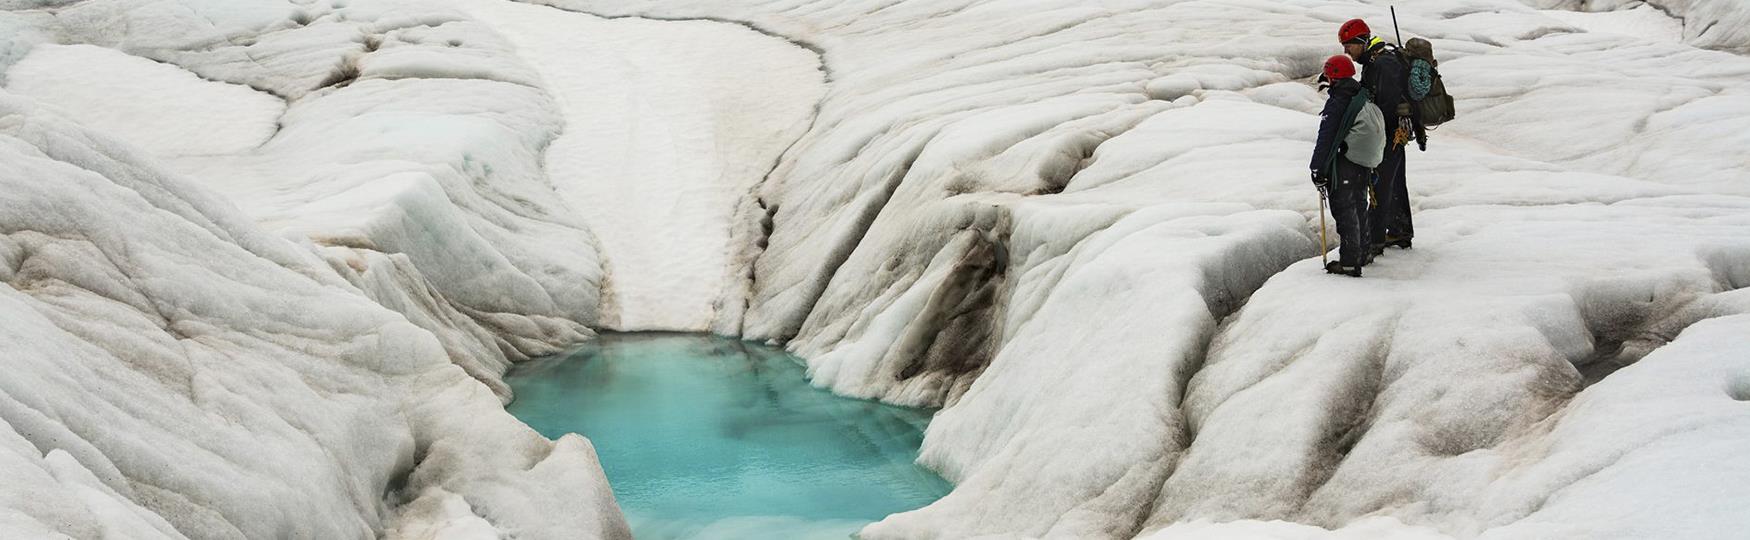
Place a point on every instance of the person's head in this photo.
(1337, 67)
(1355, 37)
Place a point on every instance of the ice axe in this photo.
(1324, 252)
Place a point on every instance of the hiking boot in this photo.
(1336, 267)
(1376, 250)
(1401, 242)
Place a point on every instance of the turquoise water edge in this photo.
(704, 437)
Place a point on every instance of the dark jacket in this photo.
(1388, 78)
(1335, 120)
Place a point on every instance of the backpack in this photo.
(1365, 142)
(1360, 134)
(1435, 107)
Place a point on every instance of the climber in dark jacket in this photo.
(1351, 143)
(1387, 78)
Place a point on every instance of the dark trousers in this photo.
(1392, 216)
(1349, 206)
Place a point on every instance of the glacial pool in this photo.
(704, 437)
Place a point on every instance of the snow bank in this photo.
(669, 126)
(1047, 228)
(178, 372)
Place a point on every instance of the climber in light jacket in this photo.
(1350, 145)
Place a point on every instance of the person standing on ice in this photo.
(1387, 78)
(1351, 143)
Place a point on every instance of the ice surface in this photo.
(1048, 228)
(1705, 23)
(401, 131)
(175, 371)
(1642, 21)
(186, 370)
(1364, 529)
(401, 147)
(669, 126)
(167, 111)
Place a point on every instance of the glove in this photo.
(1321, 181)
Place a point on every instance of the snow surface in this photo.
(669, 126)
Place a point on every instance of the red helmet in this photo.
(1339, 67)
(1353, 30)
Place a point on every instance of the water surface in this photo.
(708, 437)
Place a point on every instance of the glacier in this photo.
(267, 261)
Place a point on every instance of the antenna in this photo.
(1394, 26)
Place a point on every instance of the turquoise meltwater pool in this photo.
(704, 437)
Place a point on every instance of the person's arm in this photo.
(1329, 121)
